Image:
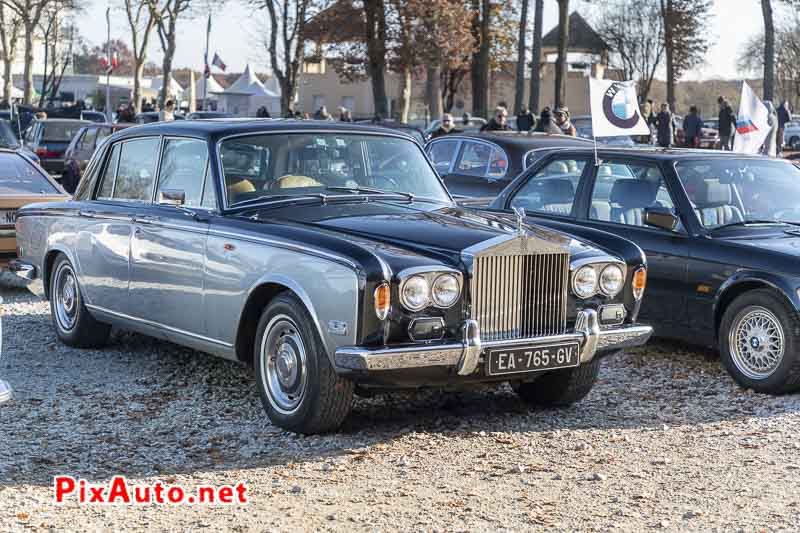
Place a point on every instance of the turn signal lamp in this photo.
(639, 282)
(383, 300)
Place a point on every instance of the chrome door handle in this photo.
(146, 219)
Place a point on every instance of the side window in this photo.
(209, 200)
(622, 191)
(110, 172)
(552, 189)
(88, 140)
(183, 166)
(442, 154)
(137, 169)
(475, 159)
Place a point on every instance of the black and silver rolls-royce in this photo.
(332, 259)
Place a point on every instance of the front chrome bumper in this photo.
(465, 356)
(22, 269)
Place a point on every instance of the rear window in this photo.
(17, 176)
(61, 131)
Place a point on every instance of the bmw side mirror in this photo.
(172, 197)
(660, 217)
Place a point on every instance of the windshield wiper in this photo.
(370, 190)
(280, 198)
(754, 221)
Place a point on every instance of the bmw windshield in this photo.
(738, 191)
(266, 167)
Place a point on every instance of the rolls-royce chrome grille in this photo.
(520, 296)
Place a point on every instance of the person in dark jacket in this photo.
(525, 120)
(447, 127)
(727, 124)
(692, 126)
(499, 122)
(546, 124)
(665, 127)
(784, 116)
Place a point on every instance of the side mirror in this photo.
(172, 197)
(660, 217)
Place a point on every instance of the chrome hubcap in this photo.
(757, 343)
(66, 293)
(283, 364)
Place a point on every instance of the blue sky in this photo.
(236, 27)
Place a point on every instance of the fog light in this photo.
(426, 329)
(383, 300)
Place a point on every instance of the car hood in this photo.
(420, 228)
(782, 242)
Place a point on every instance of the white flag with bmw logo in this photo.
(615, 109)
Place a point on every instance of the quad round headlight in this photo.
(446, 290)
(611, 280)
(415, 293)
(584, 282)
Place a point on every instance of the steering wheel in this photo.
(292, 181)
(392, 159)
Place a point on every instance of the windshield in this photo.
(20, 177)
(729, 191)
(61, 131)
(311, 163)
(7, 137)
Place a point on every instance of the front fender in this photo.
(748, 279)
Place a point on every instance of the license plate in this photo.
(527, 359)
(8, 216)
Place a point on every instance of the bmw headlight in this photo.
(415, 293)
(584, 282)
(612, 280)
(445, 290)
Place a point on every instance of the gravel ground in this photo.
(665, 441)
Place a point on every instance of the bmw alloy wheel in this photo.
(757, 343)
(283, 365)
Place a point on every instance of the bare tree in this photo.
(481, 68)
(634, 30)
(522, 50)
(10, 28)
(685, 38)
(30, 13)
(561, 61)
(285, 41)
(141, 23)
(166, 14)
(769, 50)
(58, 36)
(376, 39)
(536, 58)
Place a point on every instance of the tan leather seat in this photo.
(240, 187)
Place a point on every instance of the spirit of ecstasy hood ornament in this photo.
(520, 214)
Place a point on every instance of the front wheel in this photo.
(759, 338)
(561, 387)
(298, 387)
(74, 325)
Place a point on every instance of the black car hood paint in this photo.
(421, 228)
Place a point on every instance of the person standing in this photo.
(563, 122)
(770, 147)
(665, 127)
(525, 120)
(784, 116)
(447, 127)
(168, 113)
(727, 124)
(546, 124)
(692, 128)
(499, 122)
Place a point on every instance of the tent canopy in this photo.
(250, 85)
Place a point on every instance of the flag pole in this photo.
(109, 117)
(596, 159)
(206, 68)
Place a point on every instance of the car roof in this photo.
(222, 127)
(653, 152)
(62, 120)
(523, 140)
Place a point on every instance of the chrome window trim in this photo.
(221, 172)
(121, 143)
(454, 138)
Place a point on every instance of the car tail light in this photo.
(383, 300)
(639, 282)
